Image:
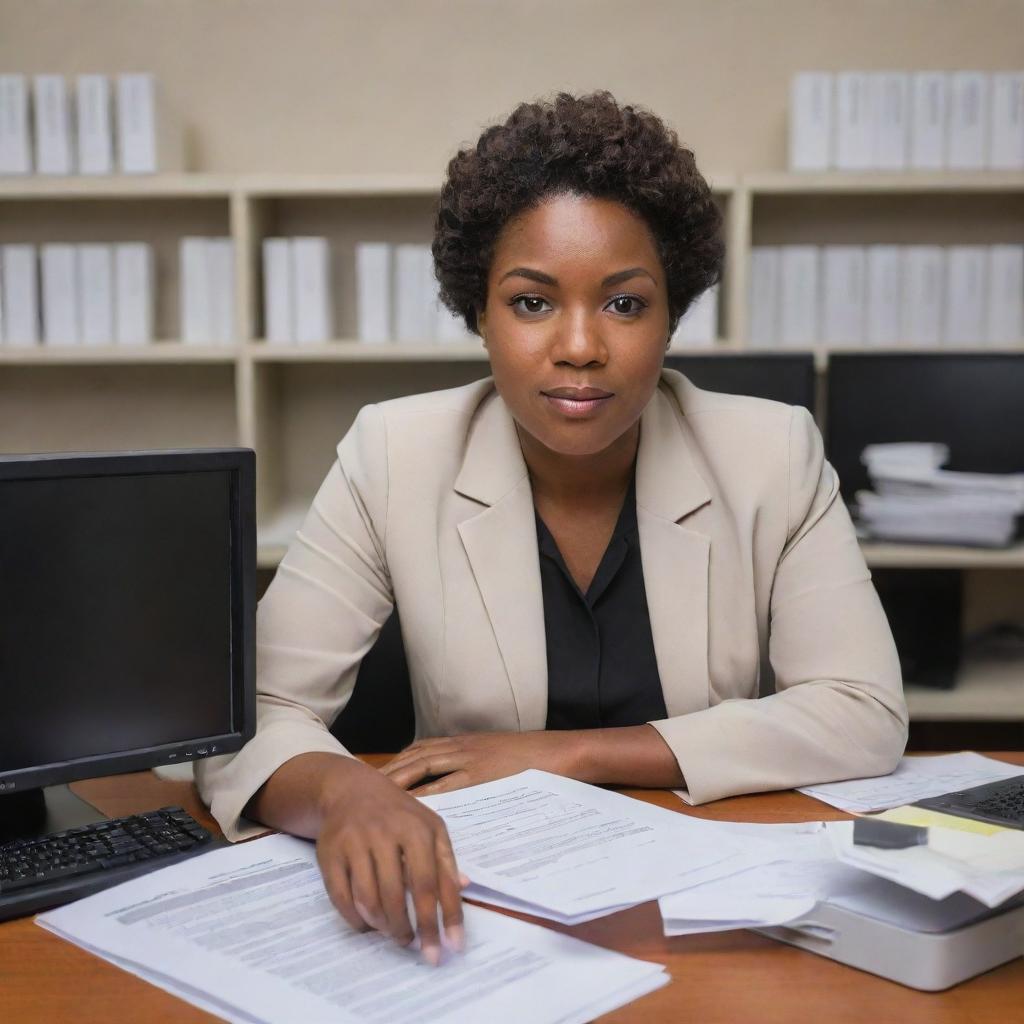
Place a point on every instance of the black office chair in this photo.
(379, 718)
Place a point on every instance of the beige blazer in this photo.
(749, 558)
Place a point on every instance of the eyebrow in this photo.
(541, 278)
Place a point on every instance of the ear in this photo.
(481, 325)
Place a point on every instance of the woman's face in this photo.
(576, 321)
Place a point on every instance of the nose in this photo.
(578, 341)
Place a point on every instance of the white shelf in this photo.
(175, 352)
(881, 182)
(988, 689)
(941, 556)
(155, 186)
(348, 350)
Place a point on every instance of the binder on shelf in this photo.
(882, 308)
(764, 291)
(20, 286)
(149, 137)
(923, 280)
(415, 291)
(52, 125)
(843, 294)
(373, 291)
(854, 121)
(277, 291)
(799, 301)
(929, 103)
(15, 146)
(810, 121)
(95, 131)
(60, 294)
(133, 291)
(699, 326)
(196, 297)
(312, 283)
(967, 141)
(890, 103)
(220, 268)
(1006, 135)
(1005, 295)
(966, 295)
(96, 293)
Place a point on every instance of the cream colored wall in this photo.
(396, 85)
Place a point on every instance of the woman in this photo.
(595, 561)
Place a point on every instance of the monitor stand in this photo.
(38, 812)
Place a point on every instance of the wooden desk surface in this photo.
(725, 978)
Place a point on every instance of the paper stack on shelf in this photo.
(54, 149)
(698, 327)
(19, 284)
(149, 135)
(15, 137)
(914, 500)
(297, 304)
(94, 127)
(60, 294)
(133, 293)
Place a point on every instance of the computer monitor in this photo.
(127, 620)
(972, 402)
(782, 376)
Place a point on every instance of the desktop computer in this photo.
(781, 376)
(127, 641)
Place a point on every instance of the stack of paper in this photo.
(569, 852)
(915, 778)
(248, 934)
(914, 500)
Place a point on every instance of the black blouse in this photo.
(601, 664)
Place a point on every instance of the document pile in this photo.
(569, 852)
(915, 500)
(915, 778)
(248, 934)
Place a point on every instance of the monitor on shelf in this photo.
(782, 376)
(127, 620)
(972, 402)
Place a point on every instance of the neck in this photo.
(581, 480)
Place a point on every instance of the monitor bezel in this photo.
(240, 464)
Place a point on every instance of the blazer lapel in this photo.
(500, 541)
(675, 558)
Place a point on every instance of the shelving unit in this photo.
(293, 403)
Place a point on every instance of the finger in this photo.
(426, 766)
(390, 872)
(456, 780)
(449, 888)
(421, 879)
(365, 894)
(411, 756)
(335, 875)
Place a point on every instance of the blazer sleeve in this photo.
(838, 711)
(320, 615)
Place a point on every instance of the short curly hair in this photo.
(585, 145)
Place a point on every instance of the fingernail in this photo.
(432, 954)
(463, 880)
(364, 914)
(456, 937)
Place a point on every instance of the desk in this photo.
(725, 978)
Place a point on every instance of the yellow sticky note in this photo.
(909, 815)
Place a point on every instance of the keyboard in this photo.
(46, 871)
(997, 803)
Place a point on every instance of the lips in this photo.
(577, 403)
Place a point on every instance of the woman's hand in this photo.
(375, 843)
(482, 757)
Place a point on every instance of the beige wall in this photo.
(396, 85)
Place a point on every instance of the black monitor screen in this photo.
(783, 377)
(974, 403)
(115, 614)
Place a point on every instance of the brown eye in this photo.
(529, 303)
(627, 305)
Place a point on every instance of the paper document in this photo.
(567, 851)
(799, 870)
(248, 933)
(915, 778)
(988, 868)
